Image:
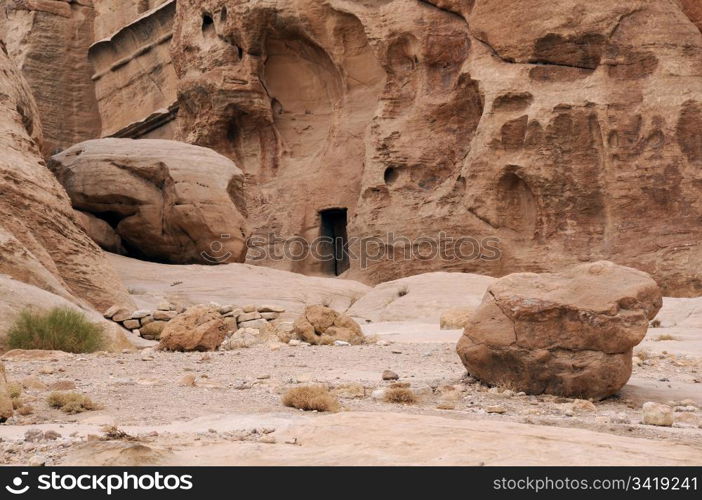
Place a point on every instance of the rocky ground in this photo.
(225, 408)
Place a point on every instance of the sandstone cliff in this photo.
(49, 40)
(41, 242)
(569, 131)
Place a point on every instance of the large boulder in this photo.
(323, 325)
(200, 328)
(6, 408)
(168, 201)
(568, 334)
(41, 241)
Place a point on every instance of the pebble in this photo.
(294, 343)
(390, 375)
(496, 409)
(657, 414)
(341, 343)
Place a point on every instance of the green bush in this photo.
(60, 329)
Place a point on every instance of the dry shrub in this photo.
(25, 410)
(71, 402)
(665, 337)
(114, 433)
(656, 323)
(311, 398)
(400, 395)
(60, 329)
(14, 389)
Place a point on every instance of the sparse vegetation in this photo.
(60, 329)
(114, 433)
(311, 398)
(25, 410)
(656, 323)
(71, 402)
(665, 337)
(400, 395)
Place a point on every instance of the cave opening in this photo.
(333, 227)
(207, 23)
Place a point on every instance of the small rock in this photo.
(657, 414)
(36, 461)
(164, 315)
(583, 405)
(33, 435)
(390, 375)
(62, 385)
(51, 435)
(271, 309)
(445, 405)
(496, 409)
(226, 309)
(351, 390)
(379, 394)
(294, 343)
(248, 316)
(269, 316)
(263, 377)
(164, 306)
(249, 308)
(256, 324)
(132, 324)
(382, 343)
(142, 313)
(111, 312)
(686, 419)
(341, 343)
(188, 380)
(148, 319)
(47, 370)
(679, 409)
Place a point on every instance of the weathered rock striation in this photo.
(560, 130)
(41, 241)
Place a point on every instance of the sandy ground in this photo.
(233, 415)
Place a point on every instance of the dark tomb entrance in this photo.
(333, 226)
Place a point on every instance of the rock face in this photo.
(559, 130)
(135, 83)
(568, 334)
(200, 328)
(49, 41)
(322, 325)
(167, 201)
(6, 409)
(41, 241)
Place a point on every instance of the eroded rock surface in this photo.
(49, 41)
(559, 130)
(168, 201)
(41, 241)
(568, 334)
